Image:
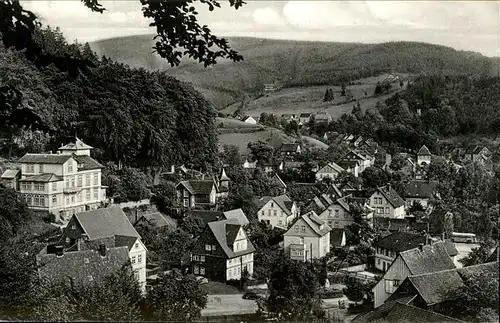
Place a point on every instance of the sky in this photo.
(465, 25)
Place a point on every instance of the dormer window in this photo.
(321, 227)
(70, 168)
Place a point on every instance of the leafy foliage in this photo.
(175, 297)
(13, 213)
(477, 255)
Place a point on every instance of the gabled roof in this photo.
(424, 151)
(223, 176)
(333, 190)
(284, 202)
(44, 159)
(87, 162)
(42, 178)
(225, 232)
(76, 145)
(316, 224)
(419, 189)
(392, 196)
(431, 259)
(206, 215)
(333, 166)
(381, 311)
(436, 287)
(474, 149)
(10, 173)
(237, 214)
(408, 313)
(280, 181)
(198, 187)
(106, 222)
(344, 203)
(400, 241)
(157, 219)
(356, 154)
(450, 248)
(84, 266)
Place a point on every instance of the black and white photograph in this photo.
(249, 161)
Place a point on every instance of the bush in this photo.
(330, 293)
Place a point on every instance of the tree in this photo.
(328, 95)
(354, 289)
(164, 196)
(13, 213)
(293, 289)
(260, 151)
(174, 248)
(175, 297)
(133, 185)
(343, 89)
(357, 112)
(477, 255)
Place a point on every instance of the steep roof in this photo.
(44, 159)
(10, 173)
(223, 176)
(474, 149)
(334, 191)
(43, 178)
(279, 180)
(400, 241)
(206, 215)
(333, 166)
(84, 266)
(198, 187)
(87, 162)
(157, 219)
(224, 232)
(318, 225)
(106, 222)
(289, 147)
(419, 189)
(424, 151)
(381, 311)
(237, 214)
(392, 196)
(408, 313)
(436, 287)
(431, 259)
(76, 145)
(450, 248)
(356, 154)
(343, 202)
(284, 203)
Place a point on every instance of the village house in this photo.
(204, 193)
(154, 219)
(353, 158)
(352, 167)
(322, 117)
(319, 203)
(237, 214)
(290, 149)
(416, 261)
(308, 238)
(330, 170)
(304, 118)
(424, 156)
(107, 227)
(61, 184)
(297, 165)
(334, 192)
(337, 214)
(419, 191)
(223, 251)
(10, 178)
(85, 267)
(249, 164)
(289, 117)
(433, 290)
(271, 167)
(278, 211)
(387, 203)
(477, 153)
(388, 247)
(250, 120)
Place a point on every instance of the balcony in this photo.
(71, 190)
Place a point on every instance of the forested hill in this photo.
(299, 63)
(131, 116)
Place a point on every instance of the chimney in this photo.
(421, 247)
(102, 250)
(389, 187)
(59, 251)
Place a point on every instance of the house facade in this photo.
(290, 149)
(387, 248)
(278, 211)
(223, 252)
(250, 120)
(308, 238)
(419, 191)
(64, 183)
(386, 202)
(107, 227)
(330, 170)
(10, 178)
(337, 214)
(420, 260)
(424, 156)
(477, 153)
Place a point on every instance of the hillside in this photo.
(298, 63)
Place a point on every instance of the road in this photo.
(228, 305)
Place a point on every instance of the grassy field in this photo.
(228, 123)
(310, 99)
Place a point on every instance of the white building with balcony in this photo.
(64, 183)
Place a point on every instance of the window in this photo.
(87, 195)
(380, 210)
(202, 258)
(275, 213)
(186, 193)
(67, 240)
(186, 203)
(387, 211)
(196, 270)
(70, 167)
(391, 286)
(378, 262)
(208, 247)
(195, 258)
(139, 259)
(30, 168)
(73, 199)
(136, 275)
(296, 228)
(96, 179)
(263, 213)
(67, 200)
(54, 199)
(40, 168)
(133, 259)
(303, 228)
(214, 247)
(79, 196)
(136, 245)
(272, 204)
(96, 194)
(72, 181)
(229, 261)
(280, 222)
(202, 270)
(67, 181)
(87, 180)
(80, 180)
(301, 240)
(54, 186)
